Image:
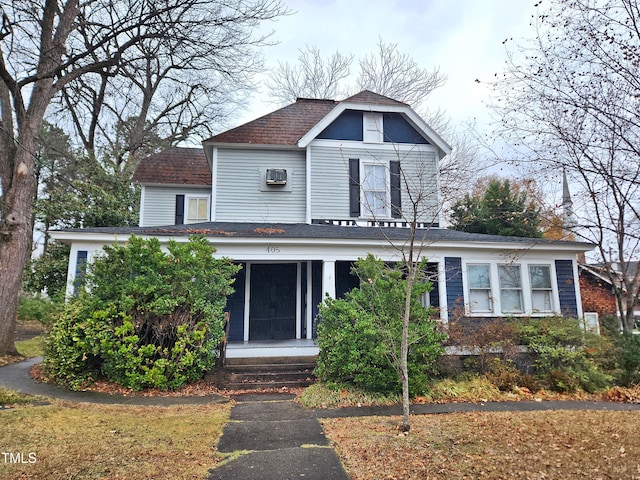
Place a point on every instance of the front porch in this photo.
(303, 347)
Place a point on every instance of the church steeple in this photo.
(567, 205)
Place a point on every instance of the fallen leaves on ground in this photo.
(505, 445)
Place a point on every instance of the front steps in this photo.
(265, 373)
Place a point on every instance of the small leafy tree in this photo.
(48, 272)
(499, 209)
(360, 335)
(148, 318)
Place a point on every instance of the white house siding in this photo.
(159, 204)
(330, 177)
(243, 195)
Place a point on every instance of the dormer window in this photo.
(373, 127)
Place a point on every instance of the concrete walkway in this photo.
(270, 437)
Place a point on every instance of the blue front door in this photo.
(272, 305)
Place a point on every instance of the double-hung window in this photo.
(510, 289)
(479, 279)
(375, 195)
(541, 290)
(197, 209)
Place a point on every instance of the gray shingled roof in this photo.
(316, 231)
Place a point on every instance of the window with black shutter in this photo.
(396, 192)
(354, 187)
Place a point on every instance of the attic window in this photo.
(276, 176)
(373, 127)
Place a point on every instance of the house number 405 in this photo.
(273, 249)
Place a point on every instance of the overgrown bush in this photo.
(37, 308)
(359, 335)
(489, 340)
(561, 360)
(147, 318)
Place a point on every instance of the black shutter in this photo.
(354, 187)
(396, 192)
(179, 209)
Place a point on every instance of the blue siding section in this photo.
(345, 281)
(398, 130)
(434, 294)
(566, 287)
(235, 307)
(455, 290)
(348, 126)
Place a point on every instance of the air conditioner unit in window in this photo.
(276, 176)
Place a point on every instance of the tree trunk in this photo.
(16, 231)
(404, 346)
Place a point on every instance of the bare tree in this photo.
(570, 99)
(311, 77)
(394, 74)
(46, 46)
(183, 87)
(417, 207)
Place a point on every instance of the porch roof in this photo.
(317, 231)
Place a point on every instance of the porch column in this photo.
(329, 278)
(309, 302)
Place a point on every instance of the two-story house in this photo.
(299, 194)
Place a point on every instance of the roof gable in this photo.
(175, 166)
(301, 122)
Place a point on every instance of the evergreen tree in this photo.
(500, 209)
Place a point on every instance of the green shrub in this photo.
(628, 358)
(39, 309)
(561, 360)
(359, 336)
(148, 318)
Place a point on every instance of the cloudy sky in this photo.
(464, 38)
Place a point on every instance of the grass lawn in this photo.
(86, 441)
(530, 445)
(33, 347)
